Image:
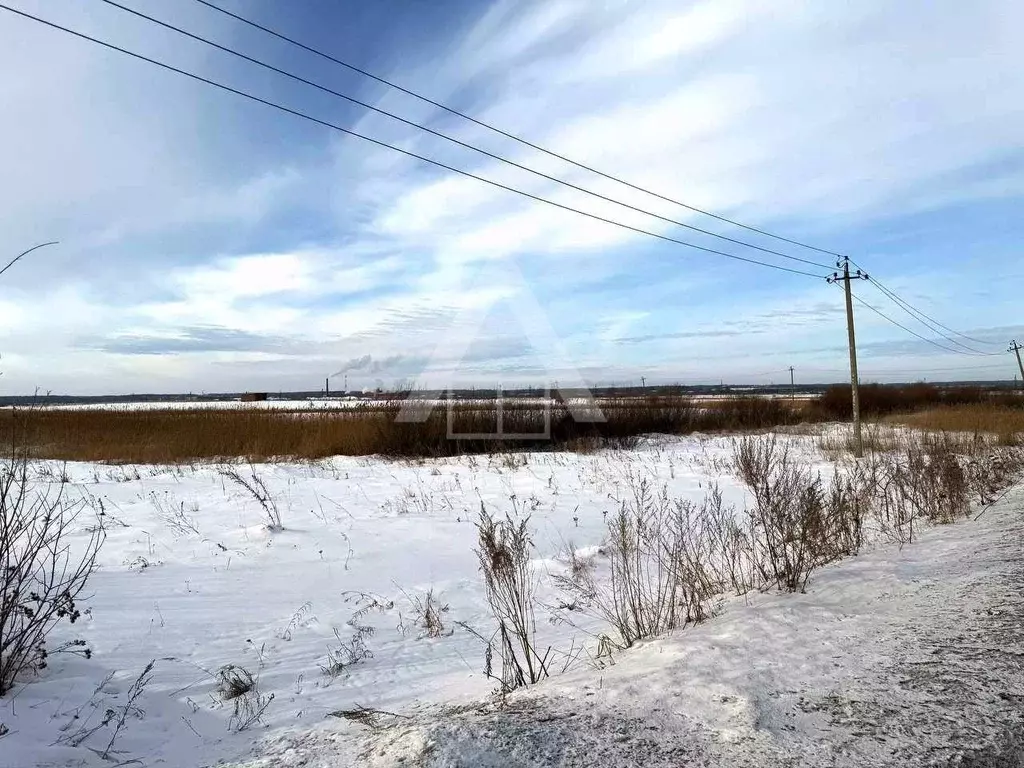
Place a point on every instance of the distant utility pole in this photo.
(643, 383)
(792, 384)
(845, 278)
(1016, 348)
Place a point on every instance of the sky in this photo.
(210, 243)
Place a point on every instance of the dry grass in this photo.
(129, 436)
(1005, 422)
(876, 438)
(504, 553)
(884, 399)
(259, 434)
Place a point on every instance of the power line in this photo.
(406, 152)
(926, 319)
(884, 316)
(930, 326)
(578, 164)
(950, 330)
(507, 134)
(452, 139)
(916, 370)
(18, 258)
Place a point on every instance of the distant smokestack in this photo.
(327, 385)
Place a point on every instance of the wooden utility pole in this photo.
(1016, 348)
(845, 278)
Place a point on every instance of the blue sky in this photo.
(210, 244)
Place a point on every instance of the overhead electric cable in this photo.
(925, 319)
(912, 372)
(452, 139)
(406, 152)
(506, 134)
(551, 153)
(21, 255)
(884, 316)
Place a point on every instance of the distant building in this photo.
(252, 397)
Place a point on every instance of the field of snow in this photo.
(309, 404)
(899, 657)
(192, 579)
(343, 402)
(325, 403)
(190, 576)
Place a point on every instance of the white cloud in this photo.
(822, 116)
(803, 112)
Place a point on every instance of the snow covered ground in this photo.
(870, 665)
(901, 657)
(307, 404)
(351, 401)
(320, 403)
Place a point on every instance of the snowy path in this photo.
(907, 657)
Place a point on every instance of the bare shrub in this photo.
(347, 652)
(922, 477)
(991, 469)
(922, 480)
(234, 681)
(888, 483)
(944, 483)
(641, 601)
(239, 686)
(879, 399)
(701, 547)
(257, 488)
(660, 569)
(727, 544)
(429, 614)
(847, 503)
(42, 579)
(504, 555)
(796, 524)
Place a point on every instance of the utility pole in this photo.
(643, 383)
(792, 384)
(1016, 348)
(845, 278)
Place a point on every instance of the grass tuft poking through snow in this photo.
(504, 554)
(249, 704)
(254, 485)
